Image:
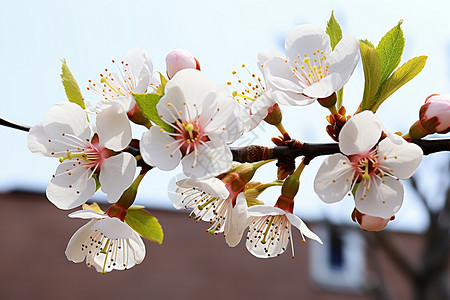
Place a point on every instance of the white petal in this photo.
(238, 222)
(304, 230)
(113, 228)
(334, 178)
(138, 246)
(80, 237)
(67, 118)
(69, 191)
(113, 127)
(87, 214)
(116, 175)
(37, 141)
(325, 87)
(212, 186)
(264, 210)
(138, 59)
(344, 58)
(155, 152)
(360, 133)
(402, 159)
(209, 162)
(382, 199)
(278, 74)
(306, 39)
(290, 98)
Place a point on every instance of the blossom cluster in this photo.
(192, 122)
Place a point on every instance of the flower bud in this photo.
(274, 115)
(180, 59)
(435, 113)
(370, 223)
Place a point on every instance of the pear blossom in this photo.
(135, 76)
(271, 230)
(374, 160)
(204, 121)
(311, 69)
(106, 243)
(180, 59)
(213, 201)
(66, 134)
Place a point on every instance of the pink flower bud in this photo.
(435, 114)
(370, 223)
(180, 59)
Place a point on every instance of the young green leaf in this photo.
(145, 224)
(390, 50)
(372, 74)
(402, 75)
(334, 31)
(147, 104)
(367, 43)
(71, 87)
(162, 85)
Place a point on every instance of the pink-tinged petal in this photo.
(116, 175)
(37, 141)
(179, 59)
(69, 189)
(360, 133)
(209, 162)
(66, 118)
(325, 87)
(74, 250)
(290, 98)
(238, 222)
(301, 226)
(382, 199)
(87, 214)
(400, 160)
(334, 178)
(212, 186)
(344, 58)
(278, 74)
(155, 152)
(113, 228)
(306, 39)
(113, 127)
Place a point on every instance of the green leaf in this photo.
(390, 49)
(367, 43)
(402, 75)
(372, 74)
(145, 224)
(162, 85)
(334, 31)
(71, 87)
(147, 104)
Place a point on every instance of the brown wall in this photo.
(190, 264)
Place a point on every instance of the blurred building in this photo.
(192, 264)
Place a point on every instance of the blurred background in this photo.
(407, 261)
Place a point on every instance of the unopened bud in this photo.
(435, 113)
(274, 115)
(370, 223)
(180, 59)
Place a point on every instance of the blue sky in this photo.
(222, 35)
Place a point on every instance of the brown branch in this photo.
(13, 125)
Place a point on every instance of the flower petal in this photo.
(37, 141)
(360, 133)
(290, 98)
(212, 186)
(74, 250)
(87, 214)
(402, 160)
(278, 74)
(69, 189)
(325, 87)
(238, 223)
(210, 161)
(301, 226)
(67, 118)
(334, 178)
(113, 127)
(304, 40)
(155, 152)
(113, 228)
(344, 58)
(382, 199)
(138, 246)
(116, 175)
